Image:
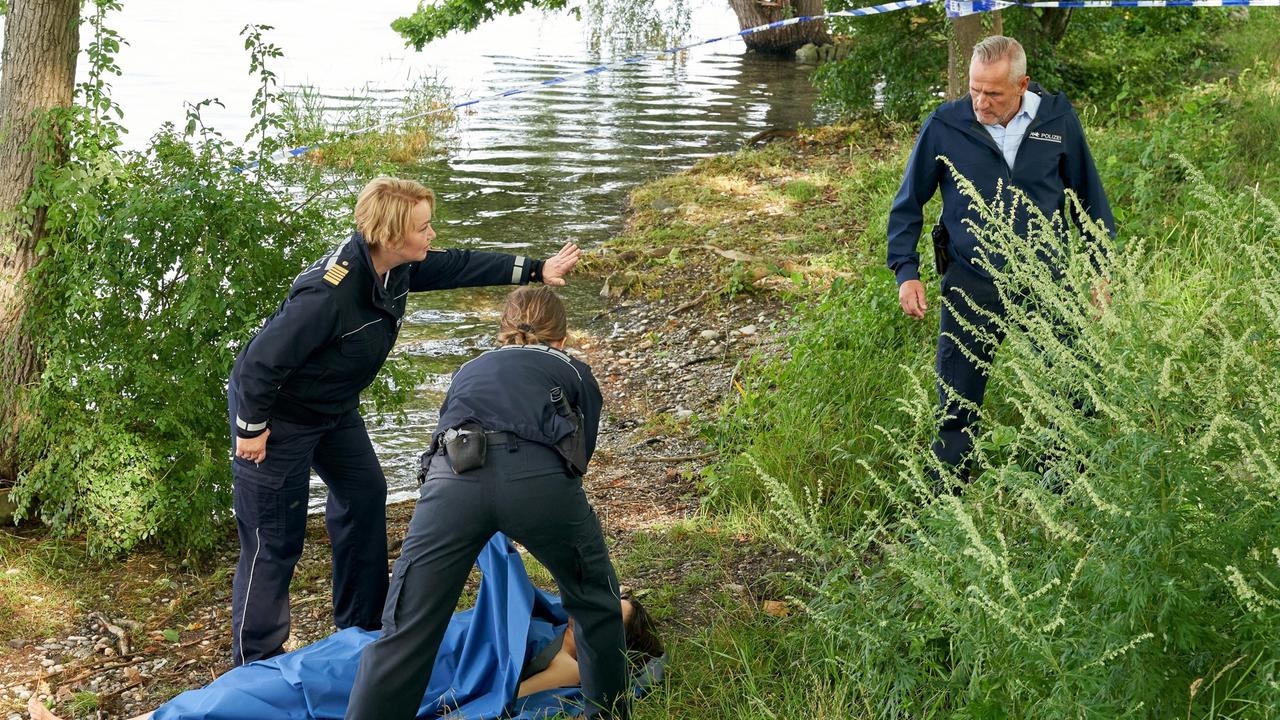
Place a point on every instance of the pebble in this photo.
(683, 413)
(710, 334)
(747, 329)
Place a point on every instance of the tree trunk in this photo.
(1053, 24)
(41, 41)
(966, 32)
(783, 41)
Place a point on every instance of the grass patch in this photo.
(789, 215)
(401, 127)
(49, 585)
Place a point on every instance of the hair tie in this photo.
(525, 328)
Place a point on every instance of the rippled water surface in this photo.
(526, 173)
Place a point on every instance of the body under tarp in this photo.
(476, 673)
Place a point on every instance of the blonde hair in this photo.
(384, 208)
(995, 48)
(532, 315)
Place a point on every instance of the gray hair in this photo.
(998, 47)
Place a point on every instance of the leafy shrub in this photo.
(897, 64)
(158, 265)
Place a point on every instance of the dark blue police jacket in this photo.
(328, 339)
(509, 389)
(1053, 156)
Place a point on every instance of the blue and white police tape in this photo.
(960, 8)
(635, 59)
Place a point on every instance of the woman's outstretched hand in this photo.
(557, 266)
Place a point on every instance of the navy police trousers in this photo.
(958, 423)
(270, 502)
(523, 491)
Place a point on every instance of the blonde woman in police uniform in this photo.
(294, 395)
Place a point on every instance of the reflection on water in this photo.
(556, 165)
(528, 173)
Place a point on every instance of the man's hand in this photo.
(557, 266)
(253, 449)
(1100, 296)
(911, 298)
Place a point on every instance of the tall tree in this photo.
(41, 41)
(782, 41)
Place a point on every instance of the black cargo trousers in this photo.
(524, 491)
(270, 502)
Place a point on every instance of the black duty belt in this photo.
(494, 438)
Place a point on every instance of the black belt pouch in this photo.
(465, 447)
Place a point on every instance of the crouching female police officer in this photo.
(517, 401)
(293, 396)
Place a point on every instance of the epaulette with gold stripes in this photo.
(335, 274)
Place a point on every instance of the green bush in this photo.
(158, 265)
(897, 64)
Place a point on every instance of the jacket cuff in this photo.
(534, 272)
(248, 430)
(907, 271)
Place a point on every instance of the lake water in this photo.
(525, 173)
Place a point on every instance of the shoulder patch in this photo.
(335, 274)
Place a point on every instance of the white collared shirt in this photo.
(1009, 137)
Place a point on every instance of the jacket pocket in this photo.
(362, 343)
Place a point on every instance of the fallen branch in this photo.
(697, 301)
(122, 637)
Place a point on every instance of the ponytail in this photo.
(532, 316)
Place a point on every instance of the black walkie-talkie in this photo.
(572, 447)
(561, 402)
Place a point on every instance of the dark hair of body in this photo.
(531, 316)
(641, 632)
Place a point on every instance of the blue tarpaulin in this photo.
(476, 673)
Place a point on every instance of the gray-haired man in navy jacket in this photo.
(1011, 131)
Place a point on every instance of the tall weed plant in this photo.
(1119, 553)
